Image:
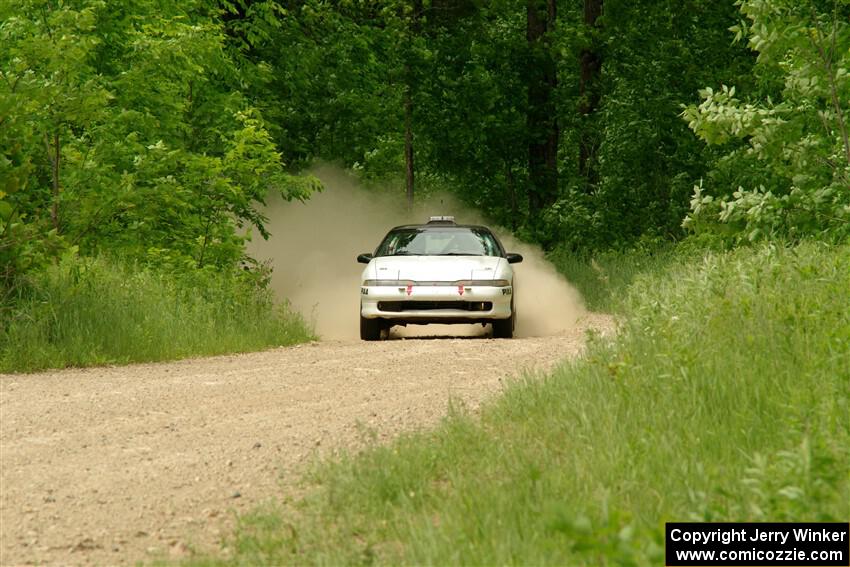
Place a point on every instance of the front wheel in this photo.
(504, 328)
(370, 329)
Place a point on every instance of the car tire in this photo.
(370, 329)
(504, 328)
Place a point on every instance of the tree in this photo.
(413, 18)
(134, 132)
(797, 141)
(589, 92)
(542, 117)
(46, 67)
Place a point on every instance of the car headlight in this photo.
(486, 283)
(389, 283)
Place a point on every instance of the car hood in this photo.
(436, 268)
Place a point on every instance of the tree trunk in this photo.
(827, 55)
(541, 119)
(591, 64)
(509, 174)
(412, 31)
(53, 156)
(408, 144)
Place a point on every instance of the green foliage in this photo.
(471, 107)
(647, 158)
(173, 121)
(335, 91)
(724, 398)
(90, 311)
(131, 130)
(603, 278)
(340, 84)
(797, 139)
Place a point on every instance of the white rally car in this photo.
(439, 272)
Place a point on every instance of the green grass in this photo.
(604, 278)
(86, 312)
(725, 398)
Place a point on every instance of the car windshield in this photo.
(439, 242)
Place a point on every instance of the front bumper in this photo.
(436, 303)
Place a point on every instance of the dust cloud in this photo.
(314, 245)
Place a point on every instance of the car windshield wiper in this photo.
(459, 254)
(404, 254)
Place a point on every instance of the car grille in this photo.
(399, 306)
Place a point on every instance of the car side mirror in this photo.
(513, 258)
(364, 258)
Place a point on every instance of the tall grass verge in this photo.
(603, 278)
(725, 398)
(90, 311)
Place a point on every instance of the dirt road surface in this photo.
(125, 464)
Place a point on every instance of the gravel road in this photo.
(125, 464)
